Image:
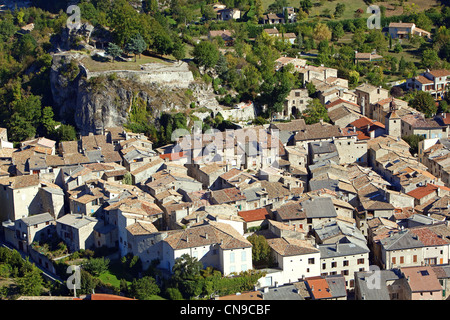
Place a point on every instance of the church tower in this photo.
(393, 121)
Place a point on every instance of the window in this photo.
(414, 258)
(344, 272)
(361, 261)
(243, 256)
(334, 264)
(311, 261)
(232, 257)
(324, 265)
(394, 261)
(345, 263)
(402, 259)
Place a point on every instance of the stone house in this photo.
(32, 228)
(77, 231)
(295, 258)
(214, 244)
(18, 196)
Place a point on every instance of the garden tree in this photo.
(398, 47)
(306, 5)
(353, 78)
(96, 266)
(87, 282)
(424, 22)
(299, 40)
(430, 59)
(315, 111)
(259, 9)
(402, 65)
(423, 101)
(358, 38)
(339, 10)
(144, 288)
(66, 132)
(250, 81)
(413, 141)
(206, 54)
(150, 6)
(261, 252)
(321, 32)
(123, 21)
(396, 92)
(47, 120)
(136, 45)
(31, 283)
(186, 267)
(178, 49)
(127, 179)
(173, 294)
(277, 6)
(276, 95)
(25, 46)
(311, 89)
(208, 12)
(186, 275)
(337, 31)
(20, 129)
(377, 40)
(162, 42)
(113, 50)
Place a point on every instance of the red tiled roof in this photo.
(172, 156)
(319, 287)
(339, 101)
(254, 215)
(363, 122)
(423, 191)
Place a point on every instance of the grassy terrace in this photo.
(97, 64)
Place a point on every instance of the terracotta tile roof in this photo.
(423, 191)
(319, 287)
(421, 279)
(172, 156)
(19, 182)
(254, 215)
(291, 210)
(291, 247)
(141, 228)
(439, 73)
(205, 235)
(227, 195)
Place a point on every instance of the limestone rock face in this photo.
(99, 100)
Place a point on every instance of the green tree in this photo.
(424, 102)
(206, 54)
(66, 132)
(114, 51)
(127, 178)
(261, 252)
(96, 266)
(338, 31)
(413, 141)
(144, 288)
(315, 111)
(20, 129)
(339, 10)
(136, 45)
(179, 49)
(123, 20)
(306, 6)
(430, 59)
(31, 283)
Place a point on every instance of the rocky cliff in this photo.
(96, 100)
